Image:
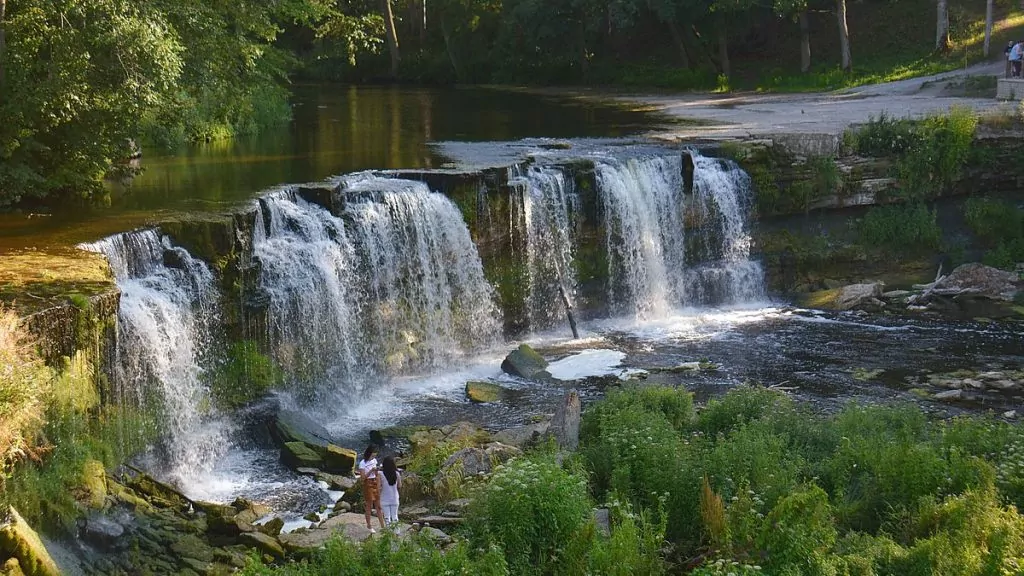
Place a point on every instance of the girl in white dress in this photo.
(390, 483)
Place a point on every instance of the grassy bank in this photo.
(750, 483)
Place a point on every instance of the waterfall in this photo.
(667, 248)
(548, 203)
(722, 268)
(643, 200)
(168, 309)
(390, 285)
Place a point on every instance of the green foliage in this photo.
(674, 404)
(1000, 226)
(245, 375)
(418, 556)
(44, 491)
(826, 495)
(936, 159)
(901, 228)
(534, 511)
(930, 154)
(25, 386)
(83, 81)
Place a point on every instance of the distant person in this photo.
(389, 486)
(371, 486)
(1006, 56)
(1015, 58)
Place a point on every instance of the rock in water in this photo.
(483, 392)
(566, 423)
(300, 455)
(19, 540)
(103, 533)
(846, 298)
(339, 460)
(292, 426)
(525, 362)
(264, 543)
(981, 280)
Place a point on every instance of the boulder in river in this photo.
(525, 362)
(980, 280)
(300, 455)
(854, 296)
(291, 426)
(483, 392)
(339, 460)
(566, 424)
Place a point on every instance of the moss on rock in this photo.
(19, 540)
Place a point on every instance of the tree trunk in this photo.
(942, 26)
(3, 42)
(723, 51)
(448, 48)
(392, 36)
(989, 7)
(805, 43)
(677, 38)
(844, 35)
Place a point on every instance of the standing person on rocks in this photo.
(389, 486)
(371, 486)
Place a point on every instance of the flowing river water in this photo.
(380, 310)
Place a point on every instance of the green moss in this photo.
(484, 392)
(245, 375)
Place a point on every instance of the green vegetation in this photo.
(909, 228)
(999, 225)
(245, 375)
(929, 154)
(50, 427)
(751, 483)
(82, 83)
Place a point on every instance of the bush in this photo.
(737, 407)
(882, 136)
(25, 384)
(418, 556)
(901, 228)
(994, 221)
(936, 159)
(535, 512)
(674, 404)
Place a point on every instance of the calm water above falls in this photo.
(336, 130)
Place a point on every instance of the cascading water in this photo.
(643, 200)
(168, 309)
(548, 205)
(394, 284)
(722, 269)
(648, 217)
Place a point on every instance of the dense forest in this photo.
(83, 83)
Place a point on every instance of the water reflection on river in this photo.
(336, 129)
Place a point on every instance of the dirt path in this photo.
(745, 115)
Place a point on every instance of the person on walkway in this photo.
(390, 483)
(1015, 58)
(371, 486)
(1006, 56)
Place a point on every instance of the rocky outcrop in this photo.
(18, 540)
(483, 392)
(525, 362)
(306, 444)
(565, 426)
(979, 280)
(523, 436)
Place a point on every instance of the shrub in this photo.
(533, 510)
(737, 407)
(674, 404)
(25, 383)
(799, 533)
(634, 547)
(936, 159)
(882, 136)
(994, 221)
(901, 228)
(418, 556)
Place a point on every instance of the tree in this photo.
(942, 26)
(844, 36)
(392, 36)
(988, 27)
(3, 43)
(797, 9)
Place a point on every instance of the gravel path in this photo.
(751, 114)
